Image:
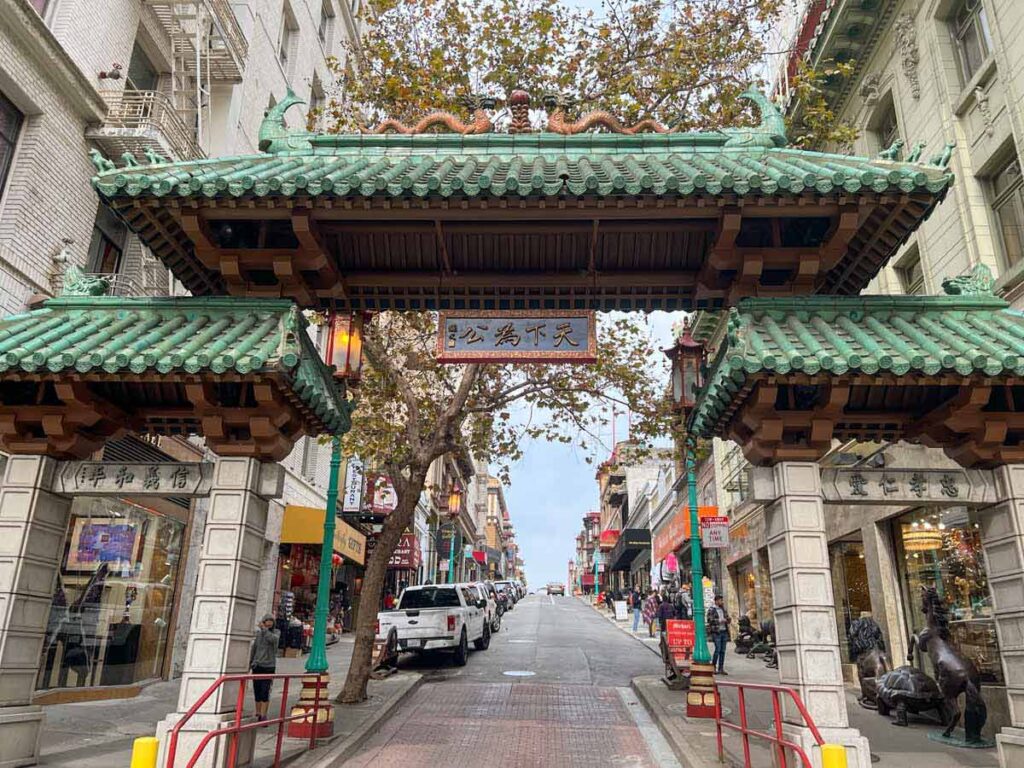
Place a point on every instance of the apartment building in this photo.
(929, 77)
(135, 81)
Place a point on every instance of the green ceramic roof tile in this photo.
(541, 164)
(926, 335)
(83, 335)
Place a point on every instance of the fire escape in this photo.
(207, 48)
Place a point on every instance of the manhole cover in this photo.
(518, 673)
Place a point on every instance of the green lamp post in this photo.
(345, 353)
(454, 508)
(687, 358)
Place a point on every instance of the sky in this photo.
(553, 487)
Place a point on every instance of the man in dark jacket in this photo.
(718, 620)
(263, 661)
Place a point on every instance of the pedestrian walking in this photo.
(389, 601)
(718, 620)
(650, 611)
(666, 611)
(635, 604)
(263, 661)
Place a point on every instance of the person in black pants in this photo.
(263, 661)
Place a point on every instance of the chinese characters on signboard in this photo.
(159, 478)
(900, 486)
(538, 336)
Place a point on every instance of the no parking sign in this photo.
(714, 532)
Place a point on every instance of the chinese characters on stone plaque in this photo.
(101, 477)
(556, 336)
(893, 485)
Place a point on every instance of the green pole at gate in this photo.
(317, 661)
(700, 639)
(451, 555)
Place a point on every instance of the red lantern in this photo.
(345, 345)
(335, 560)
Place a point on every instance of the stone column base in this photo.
(1010, 745)
(217, 750)
(858, 753)
(20, 729)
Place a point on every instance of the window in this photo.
(107, 245)
(969, 26)
(941, 547)
(1008, 205)
(326, 28)
(910, 273)
(887, 130)
(142, 75)
(429, 597)
(289, 37)
(10, 125)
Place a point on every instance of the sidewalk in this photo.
(693, 741)
(99, 734)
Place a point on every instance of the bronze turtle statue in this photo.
(908, 689)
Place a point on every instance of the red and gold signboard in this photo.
(609, 538)
(677, 530)
(517, 336)
(407, 553)
(681, 636)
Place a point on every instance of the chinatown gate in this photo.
(528, 219)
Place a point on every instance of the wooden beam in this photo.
(442, 249)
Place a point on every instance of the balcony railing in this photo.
(138, 120)
(223, 53)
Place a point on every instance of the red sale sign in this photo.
(681, 638)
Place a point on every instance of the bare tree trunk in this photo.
(373, 585)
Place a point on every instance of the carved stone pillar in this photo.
(805, 624)
(1002, 536)
(224, 610)
(33, 523)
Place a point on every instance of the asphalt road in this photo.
(552, 690)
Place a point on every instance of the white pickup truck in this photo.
(438, 616)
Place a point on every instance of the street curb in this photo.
(682, 743)
(336, 754)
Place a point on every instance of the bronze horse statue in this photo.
(867, 650)
(954, 673)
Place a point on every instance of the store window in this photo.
(971, 36)
(112, 613)
(941, 547)
(10, 126)
(746, 590)
(1008, 207)
(850, 587)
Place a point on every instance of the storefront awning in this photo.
(305, 525)
(480, 556)
(672, 534)
(632, 541)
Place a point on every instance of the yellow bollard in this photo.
(832, 756)
(144, 751)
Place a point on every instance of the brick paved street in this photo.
(575, 710)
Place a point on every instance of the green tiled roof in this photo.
(525, 165)
(917, 335)
(175, 337)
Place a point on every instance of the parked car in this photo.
(511, 593)
(554, 588)
(490, 595)
(439, 617)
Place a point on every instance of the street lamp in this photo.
(454, 507)
(687, 358)
(344, 352)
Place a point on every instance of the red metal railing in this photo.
(237, 727)
(779, 742)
